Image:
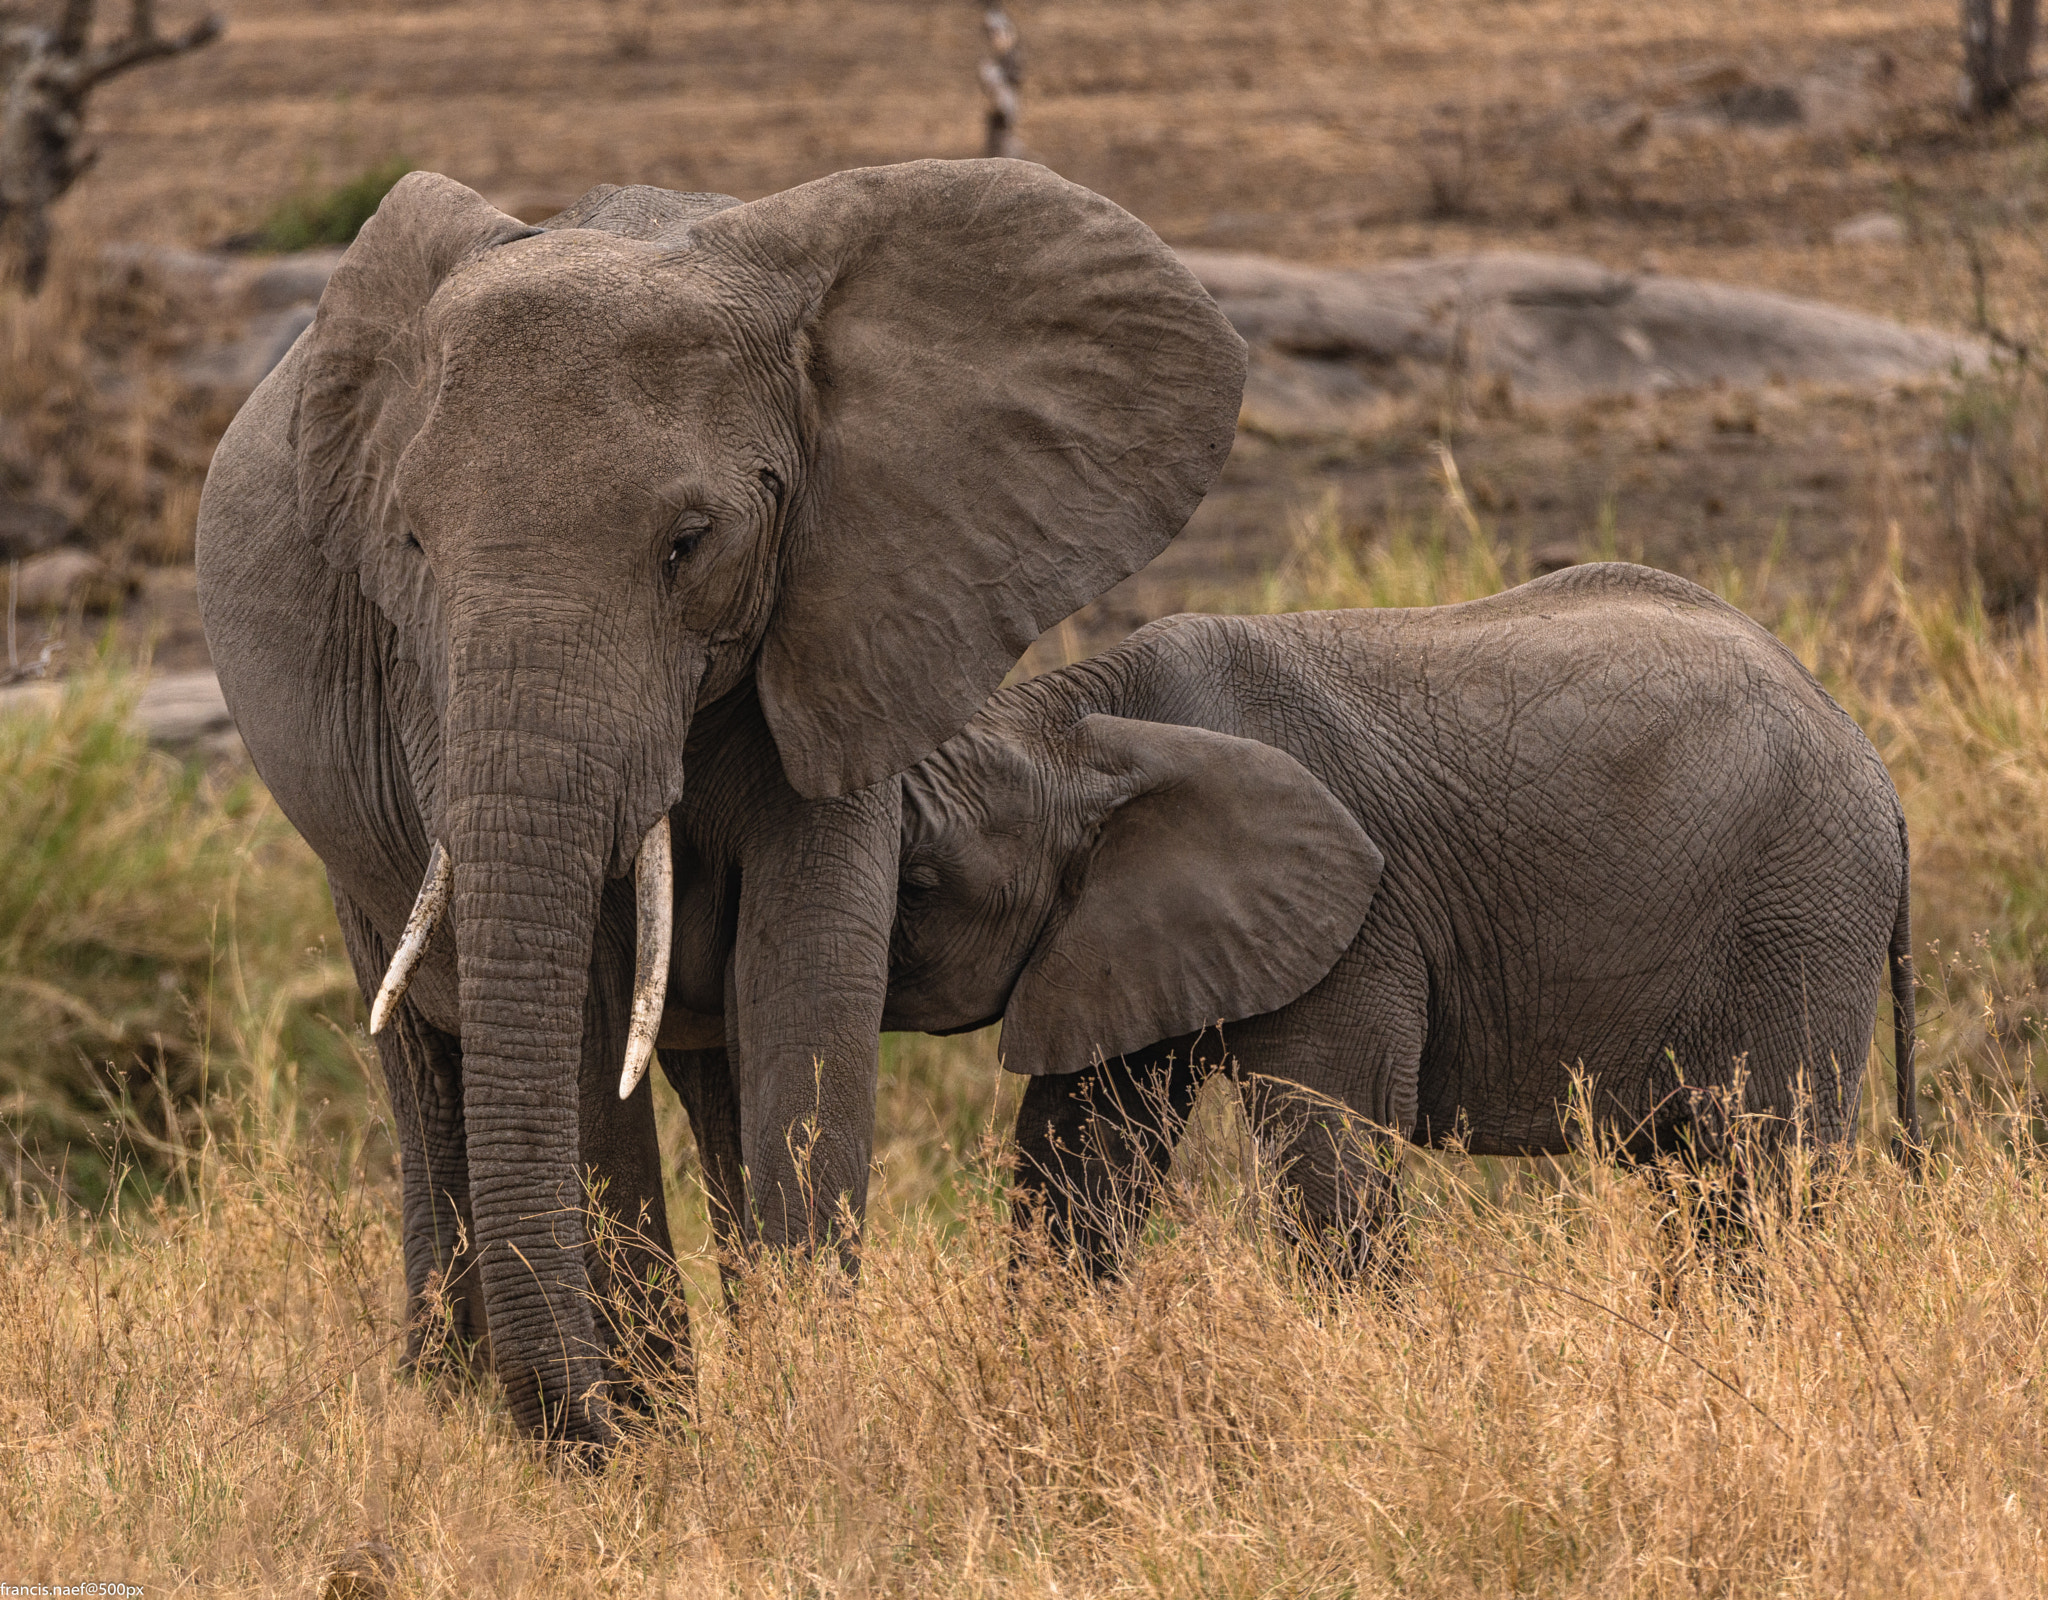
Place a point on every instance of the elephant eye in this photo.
(683, 542)
(771, 480)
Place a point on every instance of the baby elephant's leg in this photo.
(1092, 1147)
(1330, 1088)
(1712, 1165)
(1334, 1178)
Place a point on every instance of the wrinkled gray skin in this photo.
(1421, 862)
(534, 524)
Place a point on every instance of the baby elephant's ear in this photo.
(1225, 882)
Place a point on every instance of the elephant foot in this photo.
(1369, 1254)
(649, 1375)
(1094, 1147)
(1060, 1233)
(368, 1571)
(578, 1432)
(458, 1365)
(1710, 1189)
(1706, 1236)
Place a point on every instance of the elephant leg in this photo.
(1330, 1085)
(643, 1312)
(1093, 1146)
(702, 1080)
(1708, 1173)
(804, 994)
(444, 1301)
(1337, 1183)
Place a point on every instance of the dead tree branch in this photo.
(49, 73)
(1002, 75)
(1997, 54)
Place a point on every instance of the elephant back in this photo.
(640, 211)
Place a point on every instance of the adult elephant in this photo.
(533, 521)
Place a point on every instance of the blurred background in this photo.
(1814, 149)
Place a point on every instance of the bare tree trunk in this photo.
(49, 73)
(2015, 56)
(1997, 56)
(1002, 75)
(630, 25)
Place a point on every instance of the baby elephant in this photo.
(1425, 864)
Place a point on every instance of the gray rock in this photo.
(1872, 227)
(189, 272)
(184, 708)
(241, 364)
(1326, 343)
(255, 306)
(182, 711)
(28, 527)
(21, 699)
(293, 280)
(1761, 105)
(53, 581)
(238, 282)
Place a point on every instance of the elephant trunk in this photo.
(535, 802)
(525, 906)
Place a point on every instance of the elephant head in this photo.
(1101, 883)
(860, 441)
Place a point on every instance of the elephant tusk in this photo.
(654, 879)
(427, 912)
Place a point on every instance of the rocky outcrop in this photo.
(56, 580)
(182, 711)
(1327, 342)
(254, 305)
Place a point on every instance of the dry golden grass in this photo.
(209, 1397)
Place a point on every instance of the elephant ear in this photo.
(1019, 396)
(1225, 882)
(366, 392)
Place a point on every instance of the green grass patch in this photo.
(333, 216)
(168, 955)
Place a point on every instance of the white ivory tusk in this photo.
(427, 912)
(654, 881)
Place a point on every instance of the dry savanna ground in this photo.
(1360, 130)
(200, 1259)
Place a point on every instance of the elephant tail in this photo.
(1906, 1141)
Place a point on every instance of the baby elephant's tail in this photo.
(1906, 1142)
